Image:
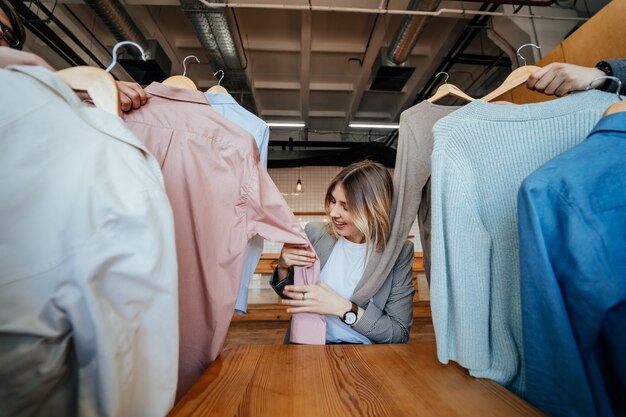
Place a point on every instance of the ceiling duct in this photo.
(211, 27)
(157, 65)
(409, 31)
(119, 23)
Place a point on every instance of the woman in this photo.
(358, 202)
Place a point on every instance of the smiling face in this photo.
(339, 213)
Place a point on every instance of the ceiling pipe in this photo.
(119, 23)
(444, 12)
(213, 31)
(409, 31)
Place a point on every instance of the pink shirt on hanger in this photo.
(221, 197)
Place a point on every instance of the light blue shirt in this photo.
(226, 105)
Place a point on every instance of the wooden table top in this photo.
(343, 380)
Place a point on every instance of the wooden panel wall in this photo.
(601, 37)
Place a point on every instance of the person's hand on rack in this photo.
(559, 78)
(132, 95)
(294, 255)
(320, 299)
(10, 56)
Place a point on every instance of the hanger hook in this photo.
(219, 82)
(608, 77)
(446, 74)
(520, 48)
(117, 46)
(185, 63)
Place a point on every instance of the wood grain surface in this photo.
(343, 380)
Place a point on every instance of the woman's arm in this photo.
(393, 323)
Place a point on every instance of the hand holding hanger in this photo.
(132, 95)
(559, 78)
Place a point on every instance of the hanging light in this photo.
(299, 189)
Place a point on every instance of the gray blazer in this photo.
(388, 314)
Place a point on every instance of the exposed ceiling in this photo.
(305, 65)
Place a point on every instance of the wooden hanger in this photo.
(182, 81)
(618, 107)
(218, 88)
(446, 89)
(98, 83)
(518, 76)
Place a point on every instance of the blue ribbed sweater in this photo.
(482, 153)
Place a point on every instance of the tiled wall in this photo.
(314, 180)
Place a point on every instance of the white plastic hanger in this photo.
(618, 107)
(182, 80)
(448, 90)
(98, 83)
(518, 76)
(218, 88)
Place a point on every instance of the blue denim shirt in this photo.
(572, 231)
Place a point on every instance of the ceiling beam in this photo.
(327, 113)
(305, 64)
(280, 113)
(277, 85)
(378, 36)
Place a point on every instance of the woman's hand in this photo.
(294, 255)
(559, 78)
(320, 299)
(132, 96)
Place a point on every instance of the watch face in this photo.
(349, 318)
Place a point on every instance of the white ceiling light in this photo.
(286, 124)
(366, 125)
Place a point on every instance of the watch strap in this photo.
(605, 67)
(355, 309)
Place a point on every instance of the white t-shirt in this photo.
(342, 272)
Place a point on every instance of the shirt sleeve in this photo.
(549, 232)
(393, 323)
(268, 215)
(125, 311)
(460, 269)
(618, 68)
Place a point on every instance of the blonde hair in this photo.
(369, 190)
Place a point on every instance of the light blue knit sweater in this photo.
(482, 154)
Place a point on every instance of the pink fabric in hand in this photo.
(308, 328)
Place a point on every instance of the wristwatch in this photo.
(605, 68)
(350, 316)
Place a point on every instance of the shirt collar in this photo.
(107, 123)
(50, 80)
(176, 93)
(220, 98)
(615, 122)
